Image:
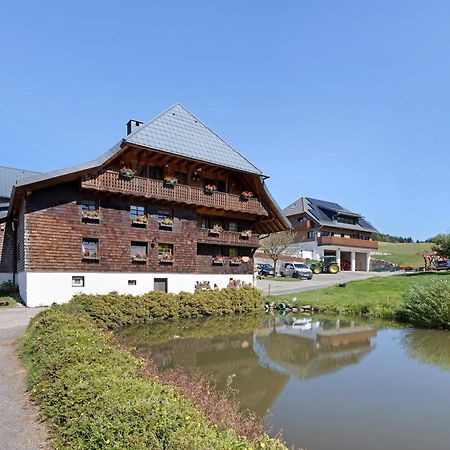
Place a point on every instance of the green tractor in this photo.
(327, 265)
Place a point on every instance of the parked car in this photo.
(265, 269)
(442, 264)
(296, 270)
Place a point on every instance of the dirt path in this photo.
(20, 427)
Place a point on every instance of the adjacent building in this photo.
(328, 229)
(169, 206)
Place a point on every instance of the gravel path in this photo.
(318, 282)
(20, 427)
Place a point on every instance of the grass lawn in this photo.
(376, 297)
(12, 303)
(410, 254)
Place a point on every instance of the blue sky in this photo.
(344, 101)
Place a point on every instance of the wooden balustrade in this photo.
(349, 242)
(228, 238)
(145, 187)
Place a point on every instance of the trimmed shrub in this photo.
(114, 311)
(427, 305)
(93, 396)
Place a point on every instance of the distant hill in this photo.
(410, 254)
(390, 238)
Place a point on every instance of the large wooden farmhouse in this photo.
(168, 206)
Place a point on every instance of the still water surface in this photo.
(328, 384)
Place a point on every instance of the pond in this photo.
(327, 383)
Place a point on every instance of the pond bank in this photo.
(96, 395)
(374, 297)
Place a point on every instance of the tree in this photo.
(442, 245)
(276, 244)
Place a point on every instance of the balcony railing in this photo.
(227, 237)
(144, 187)
(347, 242)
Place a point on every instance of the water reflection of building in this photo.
(231, 360)
(309, 348)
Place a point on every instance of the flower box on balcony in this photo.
(126, 172)
(140, 221)
(139, 257)
(170, 181)
(166, 258)
(166, 223)
(246, 234)
(91, 256)
(216, 230)
(219, 260)
(90, 215)
(210, 189)
(246, 196)
(236, 261)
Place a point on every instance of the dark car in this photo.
(265, 269)
(443, 264)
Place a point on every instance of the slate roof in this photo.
(323, 212)
(179, 132)
(10, 177)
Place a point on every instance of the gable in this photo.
(179, 132)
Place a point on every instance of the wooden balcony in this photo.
(110, 181)
(346, 242)
(227, 238)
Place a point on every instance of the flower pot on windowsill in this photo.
(209, 189)
(170, 181)
(139, 259)
(166, 223)
(91, 256)
(166, 259)
(246, 234)
(127, 173)
(218, 260)
(140, 221)
(216, 230)
(245, 196)
(90, 216)
(235, 261)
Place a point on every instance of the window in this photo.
(233, 226)
(138, 249)
(233, 252)
(164, 214)
(136, 211)
(204, 223)
(221, 186)
(181, 177)
(131, 282)
(89, 247)
(311, 234)
(77, 281)
(156, 173)
(90, 211)
(164, 249)
(349, 220)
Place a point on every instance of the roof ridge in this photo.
(16, 168)
(219, 137)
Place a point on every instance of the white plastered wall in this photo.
(45, 288)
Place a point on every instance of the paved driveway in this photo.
(20, 428)
(319, 281)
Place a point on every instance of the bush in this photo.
(114, 311)
(93, 396)
(427, 305)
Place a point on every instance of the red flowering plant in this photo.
(219, 259)
(246, 195)
(210, 189)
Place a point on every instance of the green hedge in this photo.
(114, 311)
(91, 392)
(427, 305)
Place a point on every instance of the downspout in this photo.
(14, 226)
